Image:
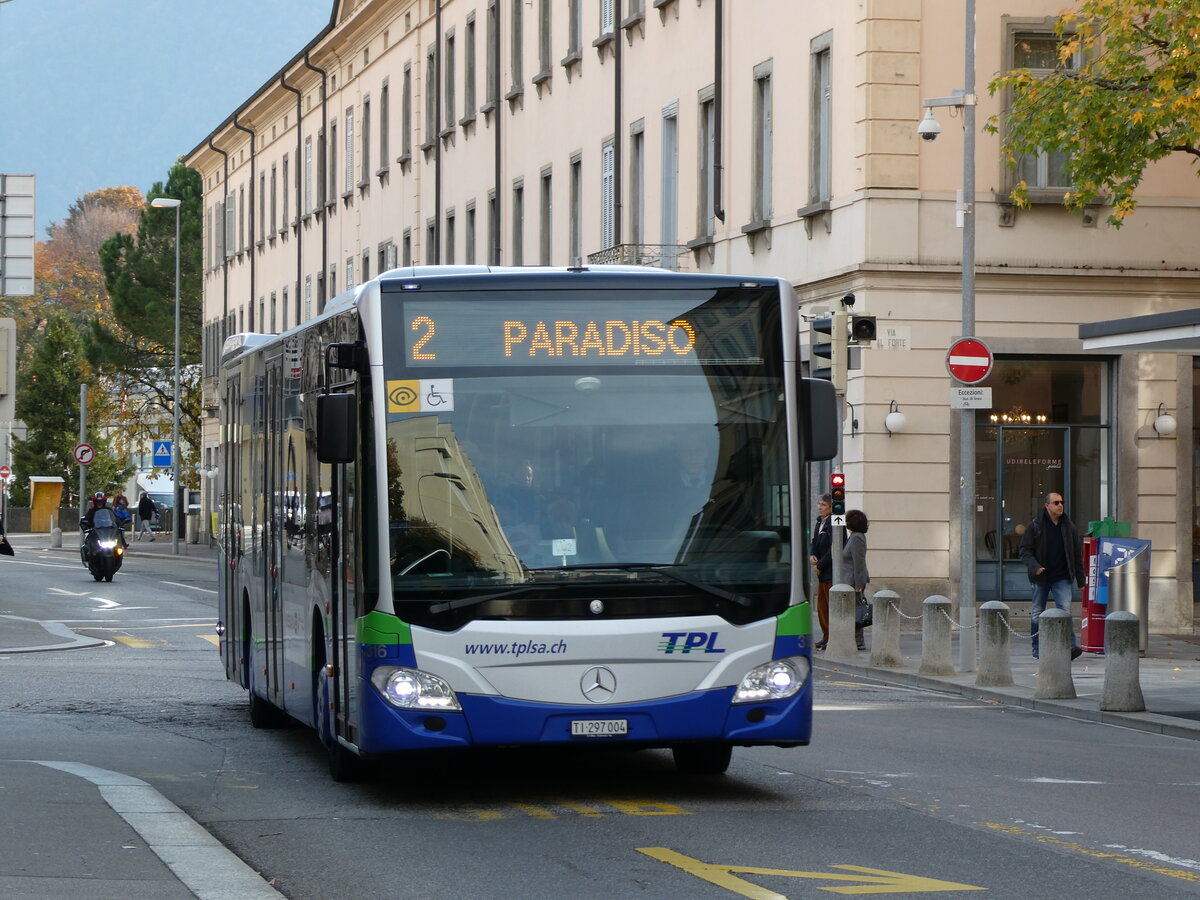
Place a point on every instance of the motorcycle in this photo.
(103, 545)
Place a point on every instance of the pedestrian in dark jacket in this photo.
(146, 512)
(854, 565)
(1053, 555)
(822, 561)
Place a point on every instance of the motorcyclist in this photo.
(97, 501)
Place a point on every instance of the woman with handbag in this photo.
(854, 570)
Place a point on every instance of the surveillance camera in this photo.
(928, 128)
(847, 300)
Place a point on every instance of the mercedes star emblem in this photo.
(598, 684)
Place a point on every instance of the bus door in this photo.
(231, 534)
(272, 517)
(344, 610)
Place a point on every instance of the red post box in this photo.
(1091, 629)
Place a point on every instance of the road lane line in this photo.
(190, 587)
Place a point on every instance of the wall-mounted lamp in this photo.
(1164, 424)
(895, 421)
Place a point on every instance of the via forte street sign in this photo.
(969, 360)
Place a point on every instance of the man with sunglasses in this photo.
(1053, 554)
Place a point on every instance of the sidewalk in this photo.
(1169, 674)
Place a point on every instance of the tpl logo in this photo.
(687, 641)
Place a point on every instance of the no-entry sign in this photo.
(969, 360)
(5, 473)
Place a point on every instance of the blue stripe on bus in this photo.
(792, 645)
(487, 720)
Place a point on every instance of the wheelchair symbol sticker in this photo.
(432, 395)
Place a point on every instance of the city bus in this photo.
(497, 507)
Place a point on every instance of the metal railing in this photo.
(675, 257)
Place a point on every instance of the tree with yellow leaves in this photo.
(1126, 94)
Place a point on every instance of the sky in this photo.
(102, 93)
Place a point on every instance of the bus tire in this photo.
(345, 767)
(702, 759)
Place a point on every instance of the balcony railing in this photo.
(675, 257)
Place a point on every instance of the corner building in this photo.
(761, 137)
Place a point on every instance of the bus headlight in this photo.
(413, 689)
(776, 680)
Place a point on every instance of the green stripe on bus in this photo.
(380, 628)
(797, 620)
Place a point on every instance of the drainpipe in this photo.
(718, 106)
(299, 188)
(323, 176)
(253, 189)
(617, 114)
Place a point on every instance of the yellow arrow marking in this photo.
(211, 638)
(879, 881)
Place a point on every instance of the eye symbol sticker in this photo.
(402, 395)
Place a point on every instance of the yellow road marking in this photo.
(211, 638)
(1146, 864)
(137, 643)
(879, 881)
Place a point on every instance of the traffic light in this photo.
(830, 348)
(837, 494)
(862, 329)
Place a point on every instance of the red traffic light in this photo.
(837, 494)
(837, 480)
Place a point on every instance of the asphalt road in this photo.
(903, 791)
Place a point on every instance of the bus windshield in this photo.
(586, 438)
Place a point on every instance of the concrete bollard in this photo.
(885, 629)
(995, 668)
(841, 623)
(1054, 680)
(56, 538)
(935, 637)
(1122, 687)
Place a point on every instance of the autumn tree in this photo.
(48, 402)
(1126, 94)
(68, 275)
(137, 346)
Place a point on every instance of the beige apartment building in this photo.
(761, 137)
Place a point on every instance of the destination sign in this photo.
(656, 330)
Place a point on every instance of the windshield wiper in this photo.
(662, 569)
(464, 602)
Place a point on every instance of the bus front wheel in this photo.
(703, 759)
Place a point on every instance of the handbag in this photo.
(864, 614)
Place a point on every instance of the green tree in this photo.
(137, 348)
(1133, 99)
(48, 402)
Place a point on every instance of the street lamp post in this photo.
(929, 129)
(176, 520)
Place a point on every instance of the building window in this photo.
(637, 182)
(241, 243)
(349, 272)
(431, 241)
(608, 14)
(365, 275)
(308, 174)
(1038, 52)
(608, 199)
(430, 98)
(227, 208)
(349, 149)
(706, 185)
(493, 54)
(544, 34)
(469, 69)
(406, 248)
(450, 238)
(518, 223)
(307, 297)
(385, 123)
(516, 46)
(283, 215)
(406, 115)
(469, 237)
(449, 77)
(820, 121)
(669, 195)
(322, 186)
(493, 252)
(262, 205)
(574, 27)
(546, 208)
(332, 166)
(761, 174)
(274, 202)
(273, 313)
(366, 141)
(576, 211)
